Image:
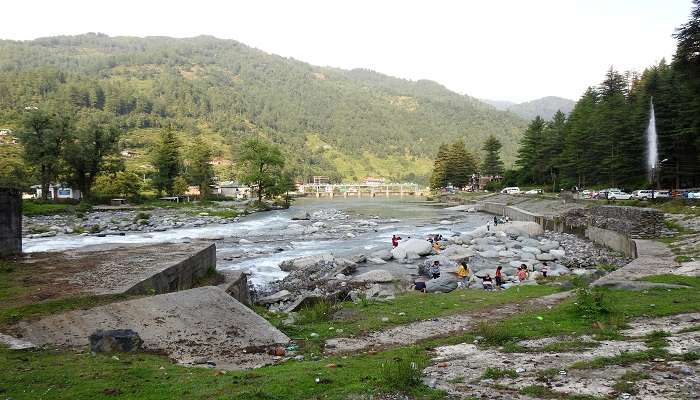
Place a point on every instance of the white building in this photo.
(58, 192)
(234, 190)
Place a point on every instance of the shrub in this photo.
(591, 304)
(498, 373)
(400, 375)
(317, 312)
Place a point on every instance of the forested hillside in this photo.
(346, 124)
(602, 142)
(545, 107)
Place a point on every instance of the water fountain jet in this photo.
(652, 145)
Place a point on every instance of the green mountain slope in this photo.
(331, 121)
(545, 107)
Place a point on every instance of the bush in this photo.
(591, 304)
(400, 375)
(317, 312)
(498, 373)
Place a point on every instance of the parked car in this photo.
(642, 194)
(511, 190)
(662, 194)
(618, 195)
(534, 191)
(694, 195)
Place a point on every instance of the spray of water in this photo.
(652, 144)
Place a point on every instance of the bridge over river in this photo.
(365, 190)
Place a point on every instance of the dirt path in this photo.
(414, 332)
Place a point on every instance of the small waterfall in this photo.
(652, 144)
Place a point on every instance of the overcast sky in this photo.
(496, 49)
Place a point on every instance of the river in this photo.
(366, 225)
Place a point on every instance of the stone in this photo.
(382, 254)
(527, 256)
(557, 254)
(305, 262)
(359, 258)
(282, 295)
(411, 246)
(444, 284)
(376, 261)
(532, 250)
(115, 341)
(301, 216)
(549, 245)
(377, 275)
(545, 257)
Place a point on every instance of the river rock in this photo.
(530, 243)
(305, 262)
(549, 245)
(506, 254)
(558, 254)
(410, 247)
(382, 254)
(444, 284)
(532, 250)
(489, 254)
(117, 340)
(359, 258)
(545, 257)
(301, 215)
(375, 276)
(282, 295)
(376, 261)
(457, 252)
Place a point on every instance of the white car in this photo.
(511, 190)
(662, 194)
(534, 191)
(618, 195)
(642, 194)
(694, 195)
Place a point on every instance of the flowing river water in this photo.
(267, 240)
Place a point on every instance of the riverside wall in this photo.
(615, 240)
(180, 276)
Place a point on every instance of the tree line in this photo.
(602, 142)
(79, 147)
(455, 166)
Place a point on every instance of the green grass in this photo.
(405, 308)
(67, 375)
(627, 383)
(544, 392)
(498, 373)
(623, 359)
(37, 207)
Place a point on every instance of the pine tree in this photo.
(529, 155)
(167, 161)
(438, 179)
(580, 129)
(201, 171)
(492, 165)
(460, 165)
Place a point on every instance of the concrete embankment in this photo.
(548, 214)
(196, 326)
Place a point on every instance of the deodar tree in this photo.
(261, 163)
(492, 165)
(43, 136)
(167, 161)
(201, 171)
(94, 137)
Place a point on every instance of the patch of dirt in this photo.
(459, 369)
(414, 332)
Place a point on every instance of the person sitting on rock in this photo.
(395, 240)
(464, 273)
(435, 269)
(419, 285)
(486, 281)
(495, 220)
(499, 277)
(544, 269)
(436, 247)
(522, 273)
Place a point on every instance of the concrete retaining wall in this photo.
(180, 276)
(236, 284)
(614, 240)
(10, 222)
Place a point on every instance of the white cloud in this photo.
(499, 49)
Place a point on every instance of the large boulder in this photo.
(301, 215)
(457, 253)
(545, 257)
(411, 247)
(382, 254)
(558, 254)
(282, 295)
(527, 256)
(530, 249)
(444, 284)
(375, 261)
(549, 245)
(378, 275)
(115, 340)
(305, 262)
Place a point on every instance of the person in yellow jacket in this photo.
(464, 274)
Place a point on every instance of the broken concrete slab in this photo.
(189, 325)
(236, 284)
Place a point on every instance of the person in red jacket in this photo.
(395, 240)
